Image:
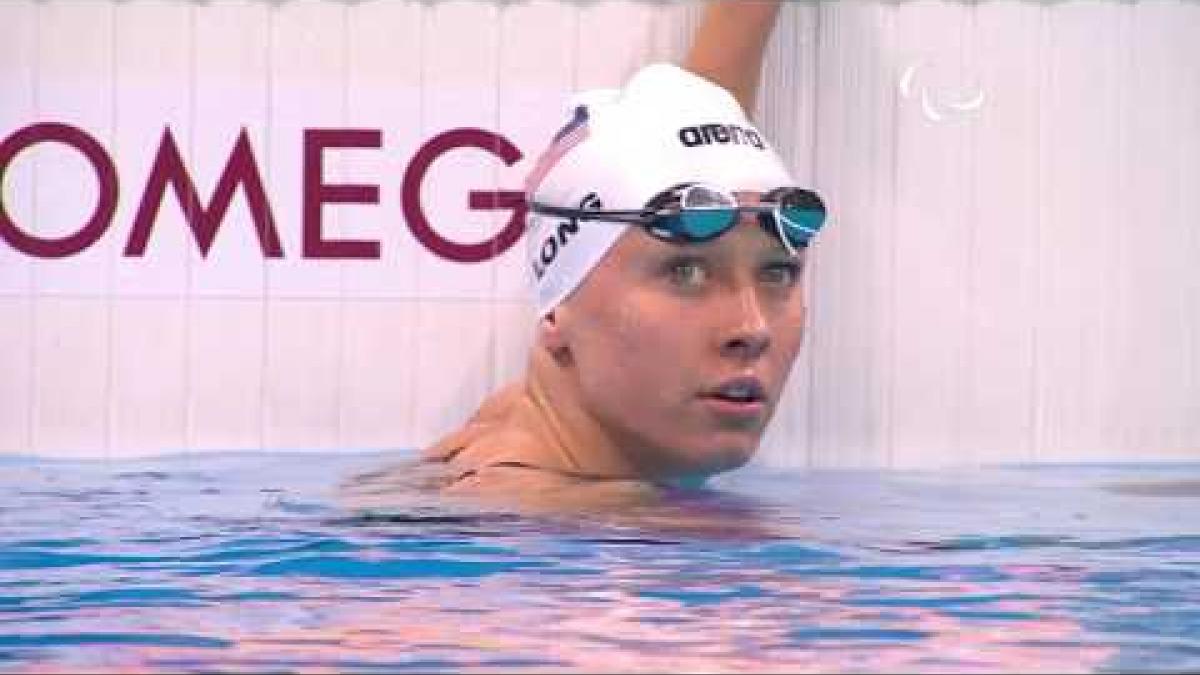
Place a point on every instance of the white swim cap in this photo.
(621, 148)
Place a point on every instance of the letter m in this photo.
(169, 168)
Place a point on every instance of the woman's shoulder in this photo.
(539, 490)
(504, 454)
(504, 431)
(494, 416)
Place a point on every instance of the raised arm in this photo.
(729, 45)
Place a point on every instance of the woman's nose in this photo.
(747, 336)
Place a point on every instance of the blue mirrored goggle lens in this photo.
(702, 224)
(802, 214)
(800, 221)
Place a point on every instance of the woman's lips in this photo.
(749, 410)
(738, 398)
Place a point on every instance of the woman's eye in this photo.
(781, 274)
(686, 272)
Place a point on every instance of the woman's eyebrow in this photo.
(777, 254)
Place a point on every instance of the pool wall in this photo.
(1010, 273)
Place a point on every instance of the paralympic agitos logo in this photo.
(241, 170)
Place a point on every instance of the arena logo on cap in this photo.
(707, 134)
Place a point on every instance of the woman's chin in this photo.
(716, 455)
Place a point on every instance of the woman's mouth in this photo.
(739, 397)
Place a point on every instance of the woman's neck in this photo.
(573, 437)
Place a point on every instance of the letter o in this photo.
(106, 204)
(549, 251)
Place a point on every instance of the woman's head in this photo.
(681, 351)
(667, 248)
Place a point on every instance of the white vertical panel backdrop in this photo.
(1011, 272)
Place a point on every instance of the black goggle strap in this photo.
(639, 217)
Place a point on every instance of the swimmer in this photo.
(667, 241)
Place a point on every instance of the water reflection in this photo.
(780, 575)
(599, 603)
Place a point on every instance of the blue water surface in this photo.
(251, 563)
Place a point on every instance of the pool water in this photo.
(251, 562)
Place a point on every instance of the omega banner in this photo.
(276, 225)
(295, 149)
(170, 179)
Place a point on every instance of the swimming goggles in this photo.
(695, 212)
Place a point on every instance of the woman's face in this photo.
(681, 351)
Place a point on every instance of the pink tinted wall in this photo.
(1009, 273)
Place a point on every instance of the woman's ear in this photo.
(553, 338)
